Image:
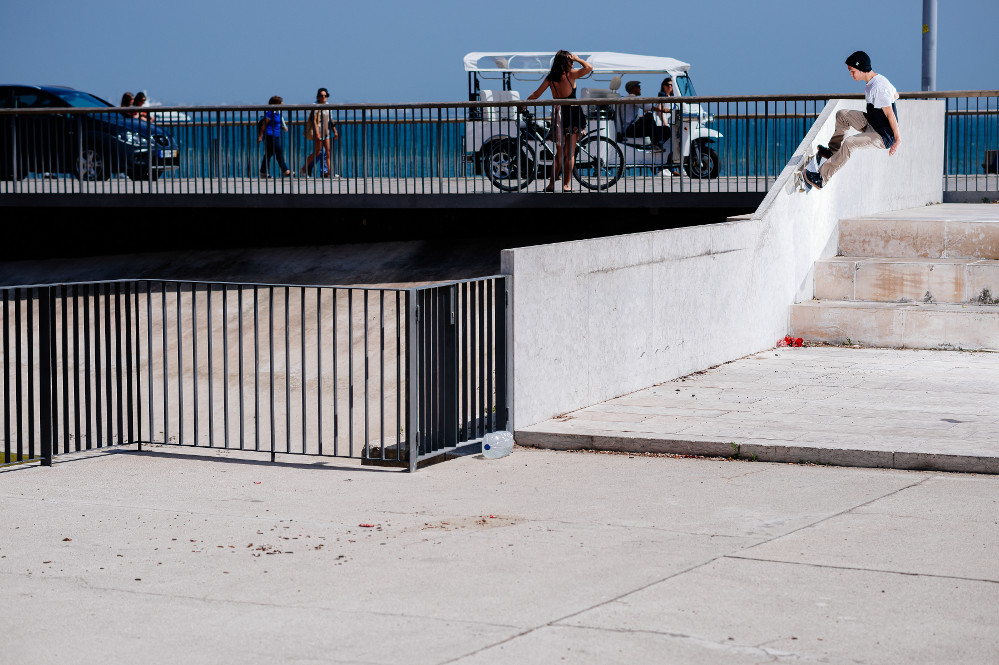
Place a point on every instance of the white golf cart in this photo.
(491, 77)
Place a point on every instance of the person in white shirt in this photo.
(878, 125)
(640, 120)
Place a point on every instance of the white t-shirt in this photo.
(880, 92)
(629, 112)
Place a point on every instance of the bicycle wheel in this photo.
(504, 169)
(599, 162)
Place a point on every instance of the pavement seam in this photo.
(677, 574)
(727, 646)
(858, 569)
(585, 609)
(840, 513)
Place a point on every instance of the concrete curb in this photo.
(874, 459)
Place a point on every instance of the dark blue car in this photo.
(91, 146)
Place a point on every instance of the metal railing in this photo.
(392, 376)
(716, 144)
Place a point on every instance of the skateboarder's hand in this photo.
(894, 147)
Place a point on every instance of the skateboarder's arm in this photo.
(893, 122)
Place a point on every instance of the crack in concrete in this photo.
(859, 569)
(679, 573)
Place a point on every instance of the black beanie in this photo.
(859, 60)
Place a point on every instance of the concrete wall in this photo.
(595, 319)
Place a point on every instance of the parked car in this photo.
(91, 146)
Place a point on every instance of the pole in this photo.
(929, 44)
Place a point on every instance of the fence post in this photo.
(46, 344)
(449, 330)
(504, 365)
(412, 377)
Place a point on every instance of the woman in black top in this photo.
(569, 120)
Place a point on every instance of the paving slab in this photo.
(895, 408)
(543, 556)
(538, 557)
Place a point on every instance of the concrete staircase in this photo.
(914, 283)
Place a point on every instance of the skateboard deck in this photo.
(809, 163)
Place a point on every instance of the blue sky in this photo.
(222, 51)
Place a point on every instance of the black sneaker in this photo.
(813, 179)
(824, 152)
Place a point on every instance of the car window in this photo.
(32, 99)
(79, 99)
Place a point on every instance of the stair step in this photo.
(908, 280)
(925, 238)
(895, 325)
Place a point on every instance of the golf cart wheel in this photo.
(703, 161)
(508, 168)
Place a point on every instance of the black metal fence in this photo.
(390, 376)
(713, 144)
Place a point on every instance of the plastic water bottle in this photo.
(497, 444)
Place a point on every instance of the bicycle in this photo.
(513, 164)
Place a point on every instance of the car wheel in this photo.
(90, 165)
(703, 161)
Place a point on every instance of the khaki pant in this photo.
(843, 148)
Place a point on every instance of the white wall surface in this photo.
(594, 319)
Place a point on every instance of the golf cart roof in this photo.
(604, 62)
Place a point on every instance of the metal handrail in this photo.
(598, 101)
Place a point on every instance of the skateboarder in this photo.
(878, 126)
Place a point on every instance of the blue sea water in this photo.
(430, 143)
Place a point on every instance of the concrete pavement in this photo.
(539, 557)
(891, 408)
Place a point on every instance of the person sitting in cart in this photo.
(640, 121)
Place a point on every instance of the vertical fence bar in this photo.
(211, 393)
(19, 387)
(166, 369)
(302, 374)
(270, 363)
(256, 369)
(287, 370)
(367, 436)
(64, 411)
(350, 370)
(46, 354)
(194, 355)
(119, 378)
(87, 295)
(319, 370)
(130, 402)
(502, 360)
(412, 379)
(450, 377)
(6, 377)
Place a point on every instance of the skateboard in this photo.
(810, 162)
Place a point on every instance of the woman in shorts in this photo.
(569, 120)
(318, 129)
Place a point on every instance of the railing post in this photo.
(504, 364)
(412, 377)
(46, 344)
(364, 151)
(449, 330)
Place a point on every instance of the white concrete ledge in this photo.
(598, 318)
